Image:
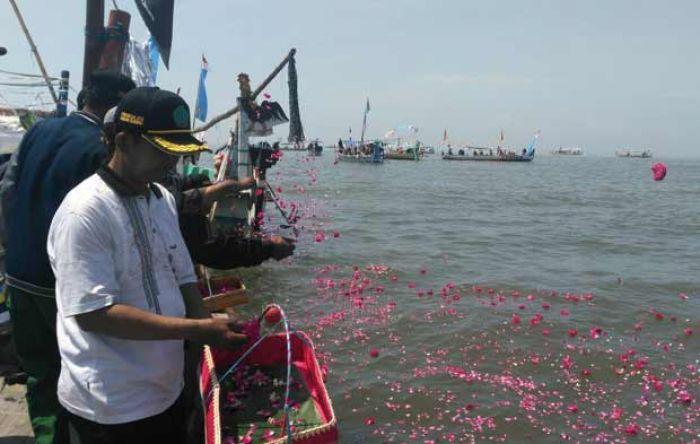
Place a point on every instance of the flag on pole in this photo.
(202, 105)
(367, 109)
(444, 136)
(153, 57)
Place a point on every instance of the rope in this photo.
(21, 74)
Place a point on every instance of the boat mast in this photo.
(35, 51)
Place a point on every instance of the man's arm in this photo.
(127, 322)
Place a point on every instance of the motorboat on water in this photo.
(643, 154)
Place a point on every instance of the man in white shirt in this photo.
(125, 285)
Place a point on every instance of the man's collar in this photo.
(119, 186)
(90, 117)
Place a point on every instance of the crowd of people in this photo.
(102, 236)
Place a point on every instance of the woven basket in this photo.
(227, 292)
(271, 351)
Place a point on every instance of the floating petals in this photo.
(515, 319)
(658, 171)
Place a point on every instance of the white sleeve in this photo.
(80, 248)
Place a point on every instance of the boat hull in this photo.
(360, 159)
(401, 156)
(516, 158)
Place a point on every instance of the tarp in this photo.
(158, 17)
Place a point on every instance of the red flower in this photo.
(374, 353)
(573, 332)
(369, 420)
(572, 408)
(688, 331)
(631, 429)
(515, 319)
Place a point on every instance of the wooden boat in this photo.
(502, 158)
(642, 154)
(475, 153)
(568, 151)
(360, 158)
(409, 154)
(315, 149)
(377, 155)
(235, 411)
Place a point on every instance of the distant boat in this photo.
(568, 151)
(370, 153)
(644, 154)
(315, 148)
(403, 154)
(475, 153)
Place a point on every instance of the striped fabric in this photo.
(150, 284)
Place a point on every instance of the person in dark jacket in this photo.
(211, 245)
(53, 157)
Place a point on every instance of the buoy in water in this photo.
(659, 171)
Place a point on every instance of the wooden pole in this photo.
(35, 51)
(255, 94)
(94, 32)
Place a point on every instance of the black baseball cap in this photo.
(161, 117)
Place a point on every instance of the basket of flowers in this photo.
(270, 391)
(222, 292)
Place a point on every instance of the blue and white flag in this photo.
(202, 105)
(153, 56)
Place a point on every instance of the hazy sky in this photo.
(598, 74)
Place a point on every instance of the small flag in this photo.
(201, 108)
(367, 109)
(153, 57)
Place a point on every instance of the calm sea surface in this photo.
(512, 302)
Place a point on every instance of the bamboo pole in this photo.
(255, 94)
(35, 51)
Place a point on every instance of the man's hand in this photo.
(246, 183)
(281, 247)
(221, 333)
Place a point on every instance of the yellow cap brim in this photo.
(177, 144)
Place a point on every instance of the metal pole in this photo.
(62, 106)
(35, 51)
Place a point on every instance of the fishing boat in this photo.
(360, 154)
(568, 151)
(498, 154)
(403, 154)
(315, 148)
(643, 154)
(401, 144)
